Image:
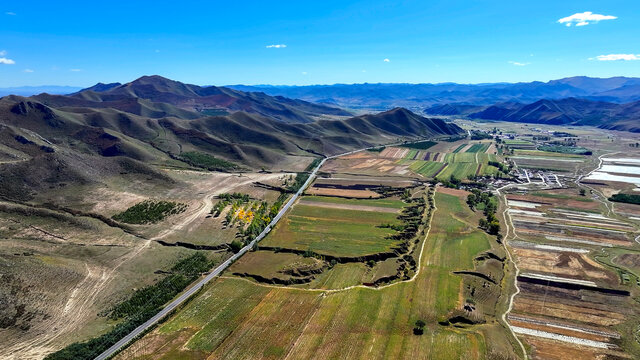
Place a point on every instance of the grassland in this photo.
(271, 265)
(235, 318)
(335, 232)
(138, 308)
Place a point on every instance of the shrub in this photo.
(419, 328)
(235, 246)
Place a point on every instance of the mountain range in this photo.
(569, 111)
(419, 96)
(129, 129)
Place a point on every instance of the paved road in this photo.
(218, 270)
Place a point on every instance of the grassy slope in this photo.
(234, 318)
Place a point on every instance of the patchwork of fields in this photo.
(570, 304)
(238, 318)
(461, 159)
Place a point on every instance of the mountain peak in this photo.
(102, 87)
(152, 79)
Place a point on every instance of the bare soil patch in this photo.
(455, 192)
(360, 194)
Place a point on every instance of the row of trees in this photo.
(489, 205)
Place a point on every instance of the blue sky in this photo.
(218, 43)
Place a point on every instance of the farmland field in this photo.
(465, 160)
(478, 148)
(335, 232)
(237, 318)
(427, 168)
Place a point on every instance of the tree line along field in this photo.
(237, 318)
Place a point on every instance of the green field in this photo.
(461, 158)
(459, 170)
(411, 154)
(335, 232)
(566, 149)
(426, 168)
(385, 202)
(459, 164)
(478, 148)
(235, 318)
(457, 150)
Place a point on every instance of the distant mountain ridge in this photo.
(569, 111)
(417, 96)
(33, 90)
(385, 96)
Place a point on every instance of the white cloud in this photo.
(304, 73)
(386, 60)
(364, 71)
(10, 13)
(3, 52)
(585, 18)
(6, 61)
(518, 63)
(75, 70)
(276, 46)
(615, 57)
(27, 70)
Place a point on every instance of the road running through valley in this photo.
(220, 268)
